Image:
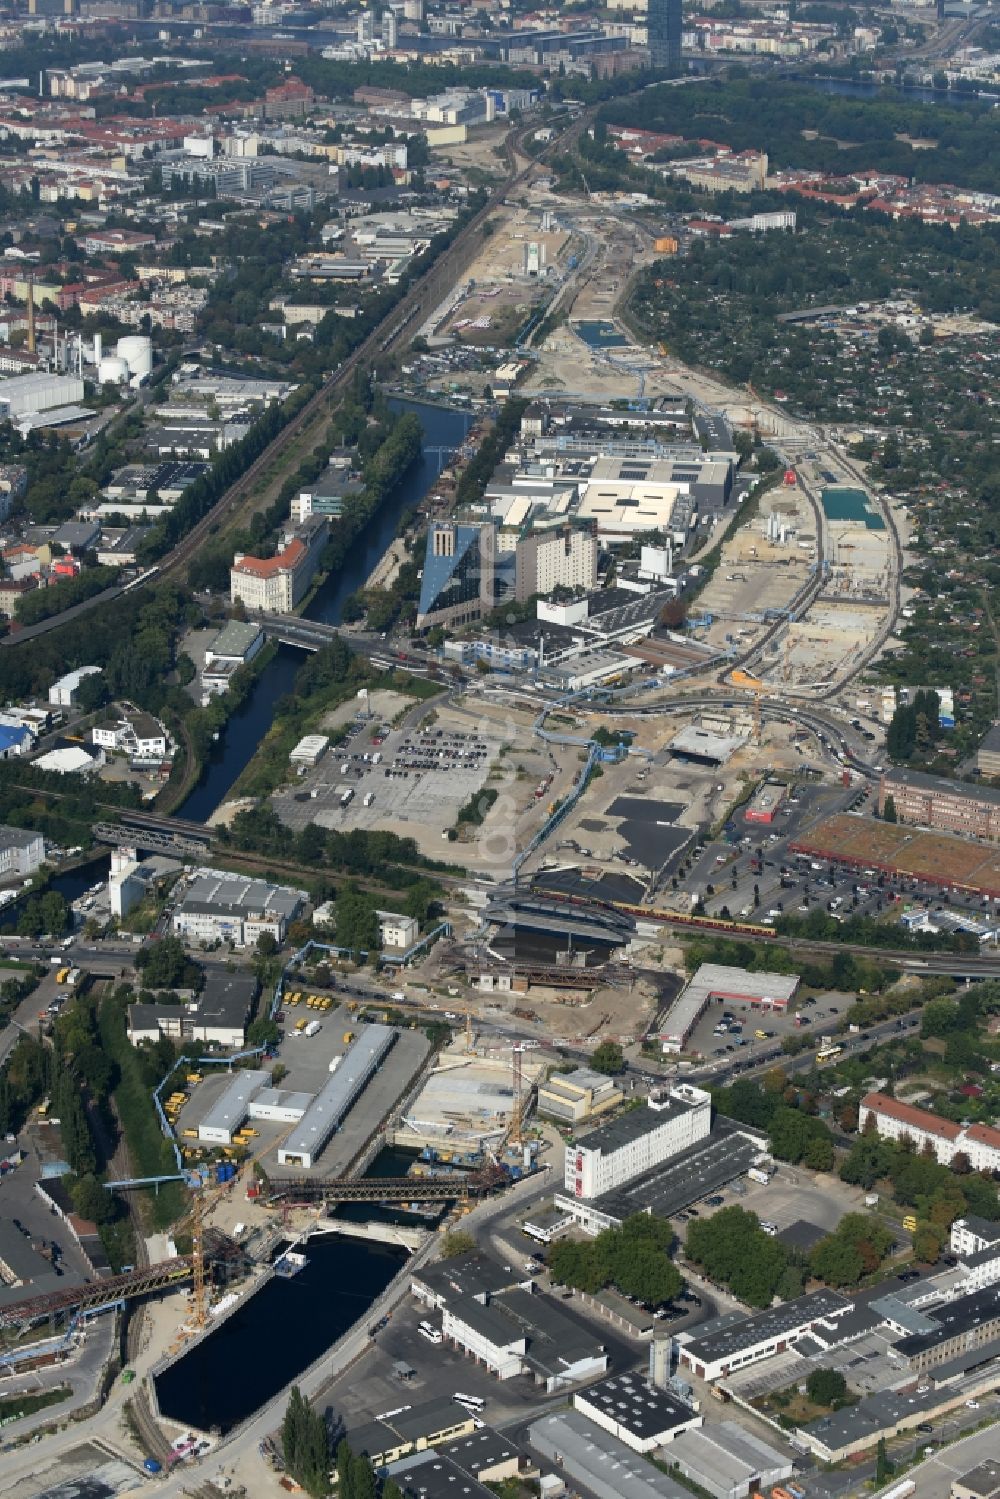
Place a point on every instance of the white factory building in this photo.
(337, 1097)
(725, 985)
(624, 1148)
(979, 1143)
(23, 395)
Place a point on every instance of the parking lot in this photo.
(394, 777)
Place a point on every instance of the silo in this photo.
(137, 351)
(112, 370)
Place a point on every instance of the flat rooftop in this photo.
(725, 1338)
(631, 1401)
(632, 1126)
(697, 1172)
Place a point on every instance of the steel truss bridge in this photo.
(384, 1189)
(96, 1295)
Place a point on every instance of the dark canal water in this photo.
(443, 429)
(279, 1332)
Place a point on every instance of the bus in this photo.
(828, 1054)
(470, 1402)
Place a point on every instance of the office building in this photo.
(978, 1143)
(220, 907)
(22, 851)
(138, 735)
(275, 585)
(623, 1149)
(396, 931)
(458, 580)
(663, 33)
(546, 560)
(947, 806)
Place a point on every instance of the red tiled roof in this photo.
(984, 1134)
(268, 567)
(931, 1124)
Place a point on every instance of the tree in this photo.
(889, 809)
(826, 1387)
(165, 965)
(836, 1261)
(607, 1058)
(92, 1201)
(884, 1467)
(305, 1442)
(267, 945)
(457, 1242)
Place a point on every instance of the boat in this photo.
(290, 1263)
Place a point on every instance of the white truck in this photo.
(347, 796)
(313, 1028)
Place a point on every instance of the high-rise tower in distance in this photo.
(663, 24)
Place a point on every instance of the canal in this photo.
(276, 1334)
(444, 431)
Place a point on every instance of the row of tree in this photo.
(632, 1258)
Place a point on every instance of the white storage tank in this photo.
(137, 351)
(112, 371)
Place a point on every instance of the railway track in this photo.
(395, 327)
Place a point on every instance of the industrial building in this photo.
(334, 1101)
(578, 1095)
(62, 693)
(229, 908)
(594, 1462)
(23, 395)
(947, 806)
(636, 1412)
(458, 578)
(219, 1016)
(230, 1109)
(414, 1429)
(729, 1462)
(518, 1332)
(623, 1149)
(733, 1341)
(722, 984)
(22, 851)
(894, 1120)
(765, 802)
